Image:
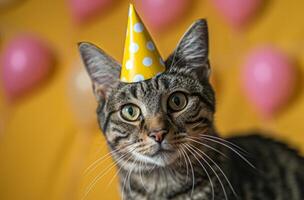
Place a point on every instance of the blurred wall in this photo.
(44, 149)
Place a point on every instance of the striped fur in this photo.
(192, 162)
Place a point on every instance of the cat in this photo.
(162, 137)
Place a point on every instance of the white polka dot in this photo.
(147, 61)
(138, 77)
(138, 27)
(129, 64)
(161, 62)
(123, 79)
(150, 46)
(133, 47)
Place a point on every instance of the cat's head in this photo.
(152, 121)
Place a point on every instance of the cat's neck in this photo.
(173, 180)
(160, 181)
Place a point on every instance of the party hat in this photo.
(141, 59)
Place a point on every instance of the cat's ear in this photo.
(103, 70)
(191, 53)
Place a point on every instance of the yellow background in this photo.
(44, 150)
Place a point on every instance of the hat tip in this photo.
(131, 9)
(131, 6)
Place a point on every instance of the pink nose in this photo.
(158, 135)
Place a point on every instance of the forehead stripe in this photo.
(133, 91)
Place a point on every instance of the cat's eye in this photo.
(130, 112)
(177, 101)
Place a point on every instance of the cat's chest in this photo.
(199, 193)
(202, 190)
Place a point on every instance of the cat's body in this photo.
(162, 137)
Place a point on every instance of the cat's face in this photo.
(152, 121)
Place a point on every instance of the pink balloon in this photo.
(237, 12)
(25, 61)
(83, 10)
(268, 79)
(161, 13)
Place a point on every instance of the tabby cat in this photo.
(162, 137)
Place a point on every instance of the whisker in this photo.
(123, 187)
(120, 168)
(232, 149)
(104, 172)
(96, 179)
(228, 142)
(206, 145)
(124, 182)
(209, 158)
(96, 162)
(186, 162)
(154, 165)
(129, 176)
(140, 175)
(204, 168)
(193, 178)
(105, 157)
(217, 176)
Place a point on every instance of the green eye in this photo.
(130, 112)
(177, 101)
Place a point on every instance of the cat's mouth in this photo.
(161, 155)
(161, 151)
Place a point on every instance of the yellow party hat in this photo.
(141, 59)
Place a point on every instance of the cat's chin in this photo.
(161, 157)
(164, 158)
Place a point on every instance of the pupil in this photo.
(130, 111)
(176, 101)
